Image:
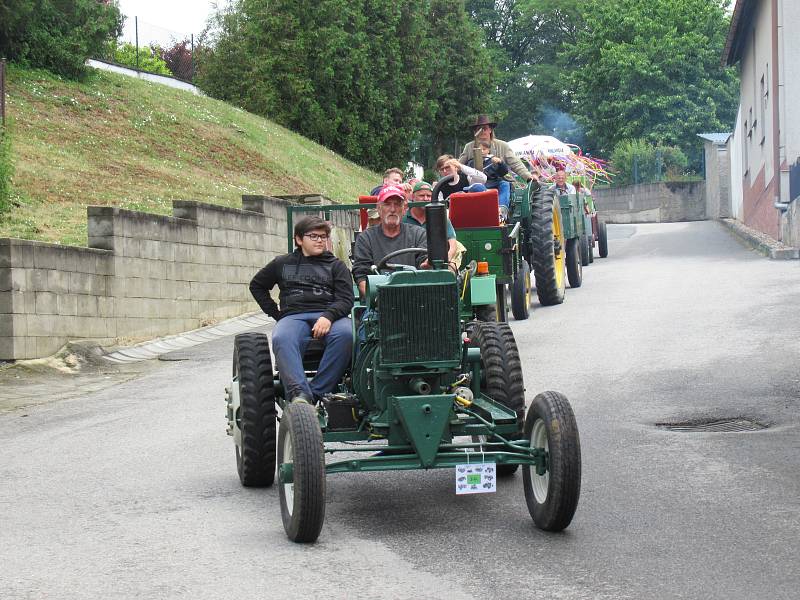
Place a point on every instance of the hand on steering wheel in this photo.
(385, 260)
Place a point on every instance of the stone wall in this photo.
(143, 275)
(664, 202)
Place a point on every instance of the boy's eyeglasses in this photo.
(317, 237)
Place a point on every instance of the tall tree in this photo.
(350, 75)
(57, 35)
(652, 70)
(528, 37)
(463, 74)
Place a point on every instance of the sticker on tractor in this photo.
(476, 478)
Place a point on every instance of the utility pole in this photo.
(191, 58)
(136, 25)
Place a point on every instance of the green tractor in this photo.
(429, 388)
(497, 249)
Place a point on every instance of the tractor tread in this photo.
(256, 464)
(543, 258)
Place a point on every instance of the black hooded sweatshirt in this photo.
(307, 284)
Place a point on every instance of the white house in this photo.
(765, 146)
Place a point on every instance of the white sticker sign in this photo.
(476, 478)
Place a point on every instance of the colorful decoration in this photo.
(544, 154)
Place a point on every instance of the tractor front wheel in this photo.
(602, 239)
(300, 446)
(521, 293)
(256, 415)
(552, 497)
(574, 265)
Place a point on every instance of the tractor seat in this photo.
(477, 209)
(313, 354)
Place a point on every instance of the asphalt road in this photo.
(132, 491)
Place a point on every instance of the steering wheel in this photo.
(385, 260)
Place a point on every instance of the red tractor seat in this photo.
(363, 211)
(478, 209)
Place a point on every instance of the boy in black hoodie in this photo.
(316, 296)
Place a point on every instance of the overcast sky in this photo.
(160, 20)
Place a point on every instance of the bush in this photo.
(178, 59)
(640, 161)
(56, 35)
(149, 58)
(6, 170)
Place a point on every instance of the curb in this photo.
(761, 242)
(165, 345)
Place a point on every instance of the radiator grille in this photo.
(419, 323)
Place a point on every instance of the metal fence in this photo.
(153, 49)
(2, 94)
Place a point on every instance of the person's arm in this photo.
(466, 153)
(452, 248)
(342, 293)
(500, 167)
(514, 163)
(260, 287)
(473, 175)
(362, 261)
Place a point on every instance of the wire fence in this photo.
(2, 95)
(153, 49)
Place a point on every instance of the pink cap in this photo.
(389, 191)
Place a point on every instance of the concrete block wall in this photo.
(663, 202)
(143, 276)
(48, 292)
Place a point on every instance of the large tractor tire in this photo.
(302, 500)
(602, 239)
(502, 372)
(585, 251)
(552, 497)
(256, 416)
(548, 257)
(521, 293)
(591, 249)
(574, 265)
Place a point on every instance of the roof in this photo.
(742, 17)
(717, 138)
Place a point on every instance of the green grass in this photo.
(113, 140)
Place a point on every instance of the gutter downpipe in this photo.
(777, 72)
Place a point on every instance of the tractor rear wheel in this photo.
(300, 445)
(574, 266)
(521, 293)
(585, 250)
(552, 497)
(548, 243)
(502, 372)
(602, 239)
(256, 416)
(591, 249)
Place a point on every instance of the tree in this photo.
(463, 75)
(345, 74)
(652, 70)
(527, 37)
(58, 35)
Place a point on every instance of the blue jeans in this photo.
(290, 339)
(503, 188)
(475, 187)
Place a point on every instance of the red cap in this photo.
(389, 191)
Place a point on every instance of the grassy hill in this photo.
(119, 141)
